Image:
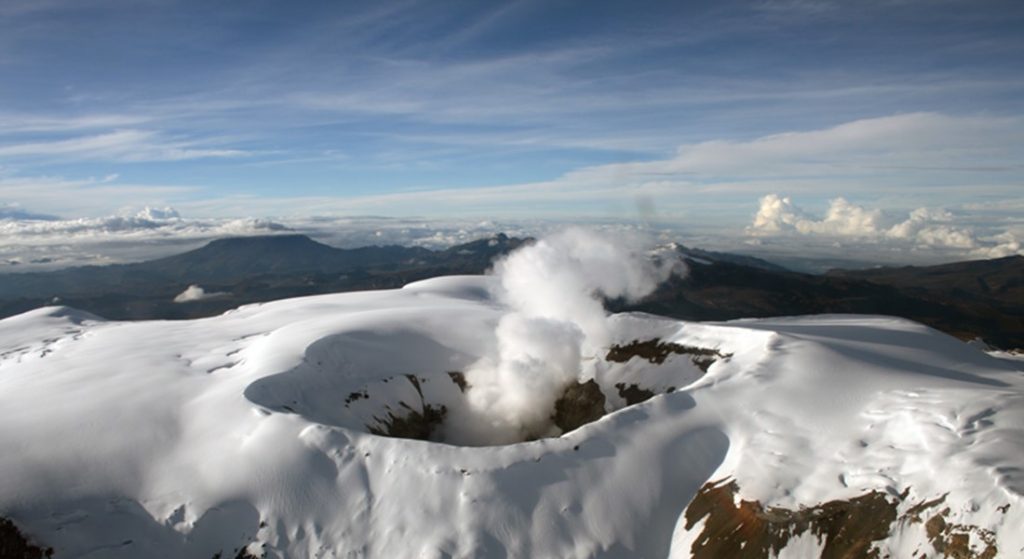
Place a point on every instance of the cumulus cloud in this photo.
(922, 227)
(196, 293)
(158, 214)
(778, 215)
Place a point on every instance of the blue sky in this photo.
(684, 112)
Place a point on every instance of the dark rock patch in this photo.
(657, 352)
(14, 544)
(415, 381)
(413, 425)
(354, 396)
(581, 403)
(459, 379)
(633, 394)
(419, 424)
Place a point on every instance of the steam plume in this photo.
(556, 321)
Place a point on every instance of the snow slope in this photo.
(189, 438)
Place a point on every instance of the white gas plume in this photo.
(197, 293)
(554, 290)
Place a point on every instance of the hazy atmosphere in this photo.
(879, 131)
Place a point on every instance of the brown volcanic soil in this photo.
(847, 528)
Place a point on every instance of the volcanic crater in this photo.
(420, 405)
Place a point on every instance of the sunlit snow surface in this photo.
(188, 438)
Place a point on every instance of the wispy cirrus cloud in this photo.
(682, 112)
(88, 196)
(11, 123)
(917, 142)
(922, 151)
(478, 93)
(128, 145)
(904, 159)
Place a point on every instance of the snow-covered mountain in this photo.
(274, 430)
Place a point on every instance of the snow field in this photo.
(184, 439)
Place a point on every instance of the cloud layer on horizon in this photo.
(903, 159)
(780, 231)
(845, 222)
(148, 222)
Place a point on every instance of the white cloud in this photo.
(916, 156)
(196, 293)
(96, 196)
(150, 233)
(158, 214)
(908, 160)
(845, 221)
(119, 145)
(146, 224)
(154, 233)
(1001, 245)
(19, 123)
(777, 214)
(893, 145)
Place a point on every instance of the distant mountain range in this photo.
(967, 299)
(976, 299)
(246, 269)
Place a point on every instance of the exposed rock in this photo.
(356, 396)
(412, 425)
(633, 394)
(737, 528)
(459, 379)
(954, 540)
(657, 352)
(14, 544)
(419, 425)
(581, 403)
(748, 529)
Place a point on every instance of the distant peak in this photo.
(288, 239)
(260, 245)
